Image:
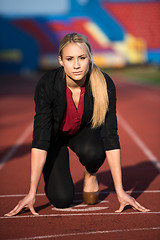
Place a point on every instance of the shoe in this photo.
(90, 197)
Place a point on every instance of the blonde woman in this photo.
(75, 107)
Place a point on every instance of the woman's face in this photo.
(75, 62)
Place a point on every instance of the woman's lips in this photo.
(77, 73)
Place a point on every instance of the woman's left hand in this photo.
(125, 199)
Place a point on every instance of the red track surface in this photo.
(139, 107)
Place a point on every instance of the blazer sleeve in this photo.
(43, 115)
(109, 129)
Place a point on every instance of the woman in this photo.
(75, 107)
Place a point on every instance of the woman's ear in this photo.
(60, 60)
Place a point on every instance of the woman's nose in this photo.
(76, 63)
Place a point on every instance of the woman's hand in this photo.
(125, 200)
(38, 158)
(26, 202)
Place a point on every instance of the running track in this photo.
(138, 114)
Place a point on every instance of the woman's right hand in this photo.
(27, 202)
(38, 158)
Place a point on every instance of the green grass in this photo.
(140, 74)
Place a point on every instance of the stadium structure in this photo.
(121, 32)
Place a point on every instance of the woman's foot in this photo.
(90, 188)
(90, 182)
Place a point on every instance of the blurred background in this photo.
(121, 32)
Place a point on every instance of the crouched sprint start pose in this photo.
(76, 108)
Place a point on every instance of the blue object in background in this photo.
(153, 56)
(18, 51)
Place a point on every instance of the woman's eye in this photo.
(69, 59)
(83, 58)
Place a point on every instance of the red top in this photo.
(73, 116)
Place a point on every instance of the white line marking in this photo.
(137, 191)
(79, 193)
(84, 205)
(78, 214)
(79, 210)
(139, 142)
(20, 195)
(90, 233)
(17, 144)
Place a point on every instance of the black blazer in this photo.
(50, 103)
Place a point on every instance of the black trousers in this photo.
(88, 146)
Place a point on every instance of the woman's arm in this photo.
(114, 161)
(38, 158)
(41, 138)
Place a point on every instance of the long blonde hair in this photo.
(97, 80)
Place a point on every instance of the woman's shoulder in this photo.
(50, 76)
(49, 79)
(47, 83)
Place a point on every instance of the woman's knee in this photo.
(92, 154)
(92, 157)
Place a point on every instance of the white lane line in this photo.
(90, 233)
(137, 191)
(139, 142)
(79, 193)
(79, 210)
(17, 144)
(82, 205)
(20, 195)
(78, 214)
